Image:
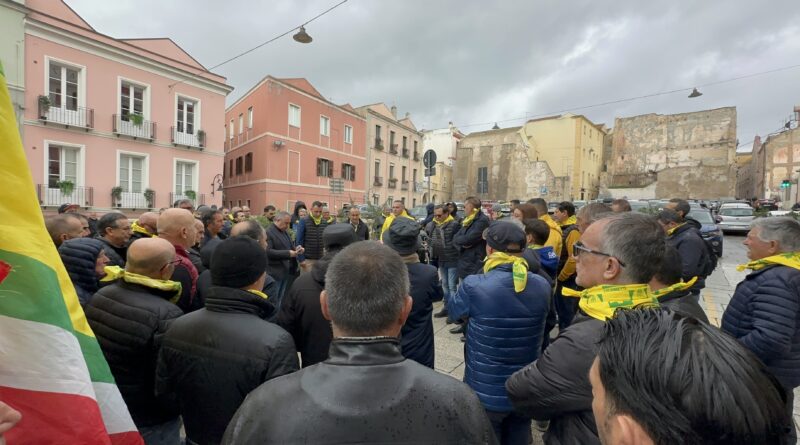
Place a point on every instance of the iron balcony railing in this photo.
(80, 117)
(196, 139)
(126, 126)
(54, 196)
(198, 200)
(416, 156)
(404, 186)
(405, 153)
(378, 181)
(393, 149)
(392, 183)
(136, 200)
(378, 144)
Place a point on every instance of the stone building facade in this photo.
(778, 159)
(745, 188)
(688, 155)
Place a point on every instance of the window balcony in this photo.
(419, 186)
(80, 117)
(378, 182)
(405, 153)
(378, 144)
(126, 126)
(53, 196)
(136, 200)
(393, 149)
(392, 183)
(404, 186)
(195, 140)
(416, 156)
(198, 200)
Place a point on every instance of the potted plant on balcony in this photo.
(190, 194)
(149, 195)
(136, 119)
(201, 138)
(116, 195)
(44, 106)
(66, 187)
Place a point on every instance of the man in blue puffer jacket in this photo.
(764, 312)
(506, 308)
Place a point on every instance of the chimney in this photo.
(394, 111)
(408, 115)
(797, 113)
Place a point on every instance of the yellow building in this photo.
(573, 147)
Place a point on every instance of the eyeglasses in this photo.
(579, 247)
(174, 262)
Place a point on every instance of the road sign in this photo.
(543, 190)
(429, 158)
(337, 185)
(430, 171)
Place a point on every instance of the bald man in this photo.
(178, 227)
(129, 318)
(144, 227)
(195, 252)
(63, 227)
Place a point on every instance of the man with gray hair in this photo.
(764, 312)
(616, 258)
(366, 391)
(282, 255)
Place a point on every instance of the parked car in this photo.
(640, 206)
(419, 213)
(767, 204)
(578, 204)
(709, 229)
(735, 219)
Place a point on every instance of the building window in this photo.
(483, 180)
(324, 167)
(391, 171)
(62, 165)
(250, 117)
(248, 162)
(231, 130)
(405, 142)
(184, 177)
(239, 166)
(377, 168)
(324, 126)
(63, 86)
(186, 115)
(241, 123)
(230, 169)
(404, 173)
(348, 172)
(131, 173)
(131, 100)
(294, 115)
(391, 139)
(415, 147)
(377, 132)
(348, 134)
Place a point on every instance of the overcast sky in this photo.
(476, 62)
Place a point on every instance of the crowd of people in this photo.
(296, 328)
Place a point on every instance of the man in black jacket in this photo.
(129, 319)
(309, 237)
(366, 392)
(114, 230)
(445, 253)
(301, 314)
(361, 229)
(282, 253)
(684, 235)
(615, 259)
(678, 300)
(213, 357)
(469, 238)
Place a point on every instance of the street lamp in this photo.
(302, 36)
(695, 93)
(216, 184)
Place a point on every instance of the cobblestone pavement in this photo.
(714, 299)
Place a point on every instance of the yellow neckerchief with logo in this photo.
(788, 259)
(469, 218)
(136, 228)
(683, 285)
(317, 221)
(330, 219)
(519, 270)
(672, 230)
(446, 220)
(115, 272)
(570, 221)
(600, 302)
(259, 293)
(534, 246)
(390, 220)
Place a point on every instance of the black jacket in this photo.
(280, 263)
(116, 255)
(362, 231)
(684, 302)
(129, 321)
(471, 245)
(556, 386)
(366, 392)
(416, 338)
(79, 256)
(204, 287)
(213, 357)
(764, 315)
(196, 259)
(442, 243)
(301, 315)
(693, 252)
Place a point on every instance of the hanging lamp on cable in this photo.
(693, 94)
(302, 36)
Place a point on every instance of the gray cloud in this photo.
(474, 62)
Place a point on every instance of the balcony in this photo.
(378, 181)
(392, 183)
(53, 196)
(191, 140)
(404, 186)
(419, 186)
(239, 139)
(378, 144)
(416, 156)
(405, 153)
(393, 149)
(135, 200)
(124, 125)
(79, 117)
(198, 199)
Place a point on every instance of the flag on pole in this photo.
(51, 367)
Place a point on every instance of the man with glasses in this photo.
(185, 204)
(616, 258)
(114, 230)
(129, 318)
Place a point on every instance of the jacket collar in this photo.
(135, 287)
(675, 295)
(681, 229)
(365, 351)
(237, 301)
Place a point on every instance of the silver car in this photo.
(735, 219)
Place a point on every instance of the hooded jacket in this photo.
(683, 301)
(471, 245)
(79, 256)
(693, 252)
(116, 255)
(366, 392)
(295, 216)
(213, 357)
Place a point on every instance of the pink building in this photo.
(117, 123)
(286, 142)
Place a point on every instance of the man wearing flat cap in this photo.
(505, 308)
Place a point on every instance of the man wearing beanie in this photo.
(212, 358)
(416, 338)
(506, 308)
(301, 314)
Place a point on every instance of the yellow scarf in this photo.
(446, 220)
(672, 230)
(675, 287)
(259, 293)
(519, 269)
(600, 302)
(390, 220)
(136, 228)
(330, 219)
(789, 259)
(115, 272)
(471, 217)
(570, 221)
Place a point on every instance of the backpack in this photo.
(711, 258)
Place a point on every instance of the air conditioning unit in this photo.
(278, 144)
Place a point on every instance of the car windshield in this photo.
(418, 212)
(736, 212)
(638, 205)
(703, 217)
